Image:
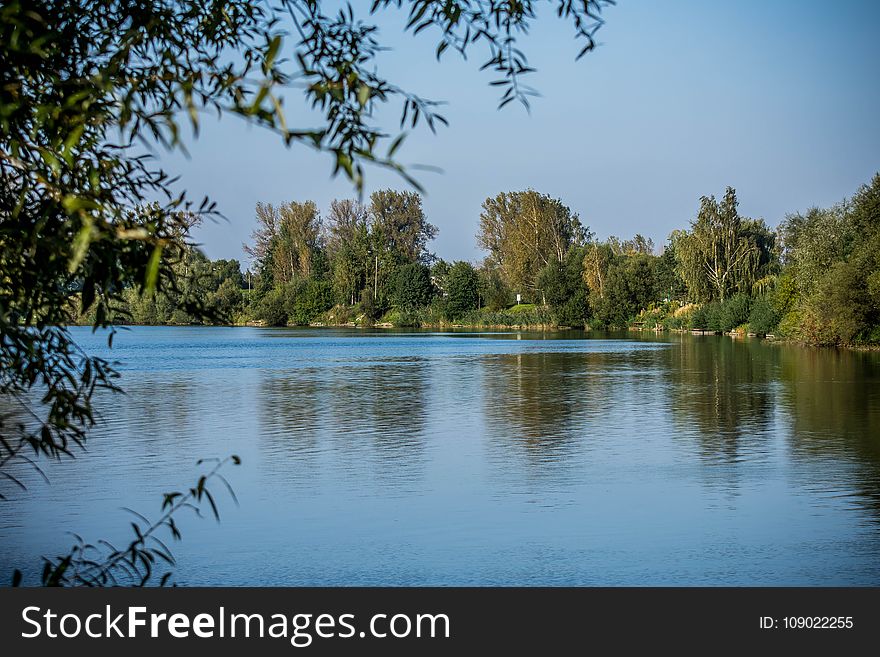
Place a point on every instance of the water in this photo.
(423, 458)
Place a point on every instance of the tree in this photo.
(667, 281)
(297, 241)
(629, 287)
(598, 257)
(399, 235)
(829, 292)
(400, 227)
(723, 253)
(563, 288)
(414, 288)
(439, 272)
(525, 231)
(286, 241)
(814, 241)
(494, 292)
(348, 246)
(263, 235)
(462, 291)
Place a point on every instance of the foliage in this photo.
(494, 293)
(525, 231)
(400, 230)
(368, 304)
(668, 283)
(734, 312)
(347, 243)
(462, 290)
(523, 315)
(829, 293)
(414, 288)
(286, 241)
(723, 253)
(563, 289)
(628, 287)
(272, 308)
(142, 561)
(306, 300)
(763, 318)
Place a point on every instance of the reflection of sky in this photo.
(425, 458)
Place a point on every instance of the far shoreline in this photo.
(531, 328)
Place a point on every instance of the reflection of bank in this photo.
(372, 415)
(721, 394)
(742, 401)
(537, 407)
(832, 401)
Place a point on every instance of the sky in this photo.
(776, 98)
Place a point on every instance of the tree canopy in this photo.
(525, 231)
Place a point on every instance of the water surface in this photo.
(395, 458)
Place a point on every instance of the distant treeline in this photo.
(815, 278)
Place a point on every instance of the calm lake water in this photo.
(392, 458)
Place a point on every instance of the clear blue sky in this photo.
(778, 98)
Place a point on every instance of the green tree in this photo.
(462, 290)
(525, 231)
(414, 288)
(562, 286)
(668, 284)
(723, 253)
(629, 288)
(493, 290)
(598, 258)
(399, 235)
(348, 248)
(306, 299)
(829, 292)
(763, 318)
(400, 227)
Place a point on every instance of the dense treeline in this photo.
(816, 278)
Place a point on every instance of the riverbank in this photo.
(522, 317)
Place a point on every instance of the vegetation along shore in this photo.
(815, 278)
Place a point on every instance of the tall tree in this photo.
(723, 253)
(348, 245)
(297, 241)
(462, 290)
(524, 231)
(399, 234)
(400, 227)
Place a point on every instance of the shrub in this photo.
(309, 300)
(763, 318)
(734, 312)
(271, 308)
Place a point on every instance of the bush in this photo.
(271, 308)
(713, 317)
(368, 305)
(734, 312)
(763, 318)
(227, 300)
(495, 293)
(309, 300)
(699, 319)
